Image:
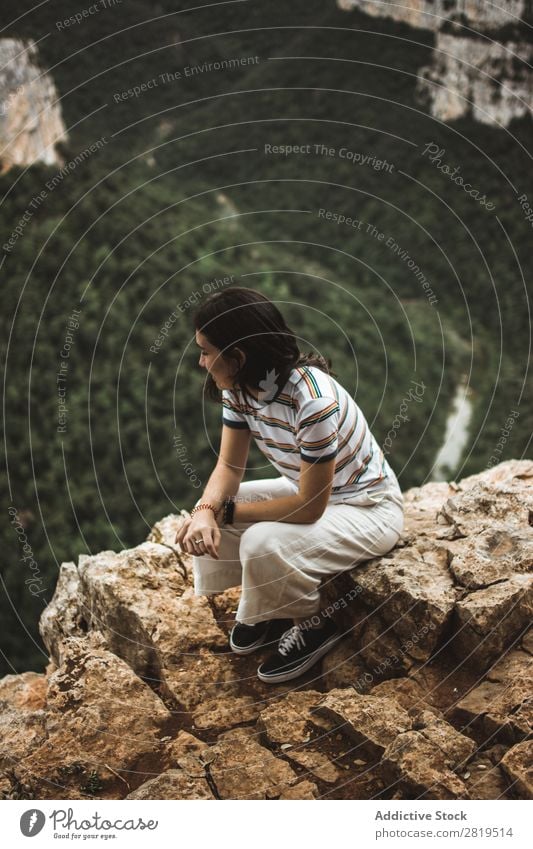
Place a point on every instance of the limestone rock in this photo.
(495, 753)
(64, 616)
(288, 720)
(487, 75)
(489, 619)
(382, 653)
(421, 506)
(141, 602)
(21, 732)
(99, 715)
(194, 627)
(225, 606)
(189, 754)
(415, 595)
(30, 112)
(485, 780)
(232, 711)
(315, 762)
(429, 498)
(242, 769)
(6, 789)
(371, 722)
(517, 474)
(173, 784)
(302, 790)
(90, 723)
(343, 667)
(457, 747)
(409, 693)
(518, 765)
(26, 691)
(200, 676)
(482, 505)
(340, 600)
(527, 641)
(164, 532)
(488, 79)
(493, 555)
(499, 708)
(430, 14)
(422, 761)
(493, 511)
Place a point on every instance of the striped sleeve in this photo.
(230, 414)
(317, 429)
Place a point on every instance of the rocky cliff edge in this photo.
(427, 696)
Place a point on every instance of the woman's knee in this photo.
(392, 519)
(258, 539)
(391, 536)
(398, 522)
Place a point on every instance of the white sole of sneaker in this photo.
(248, 649)
(279, 677)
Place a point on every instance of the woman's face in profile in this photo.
(220, 369)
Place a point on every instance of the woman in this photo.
(335, 502)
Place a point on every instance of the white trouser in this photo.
(281, 565)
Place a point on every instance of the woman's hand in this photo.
(200, 535)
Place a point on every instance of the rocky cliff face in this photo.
(481, 59)
(431, 14)
(427, 696)
(30, 114)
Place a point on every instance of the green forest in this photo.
(282, 146)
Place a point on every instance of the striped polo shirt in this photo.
(313, 419)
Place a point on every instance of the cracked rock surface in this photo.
(427, 696)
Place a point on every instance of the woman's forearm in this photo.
(288, 508)
(225, 481)
(222, 482)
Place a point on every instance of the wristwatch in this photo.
(229, 510)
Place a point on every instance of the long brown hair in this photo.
(247, 319)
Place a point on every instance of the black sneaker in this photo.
(244, 639)
(298, 650)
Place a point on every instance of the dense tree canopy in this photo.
(187, 188)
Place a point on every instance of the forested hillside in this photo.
(230, 141)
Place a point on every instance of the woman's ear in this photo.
(241, 355)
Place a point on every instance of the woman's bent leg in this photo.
(284, 564)
(214, 576)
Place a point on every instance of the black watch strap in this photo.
(229, 510)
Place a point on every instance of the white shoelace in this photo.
(291, 639)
